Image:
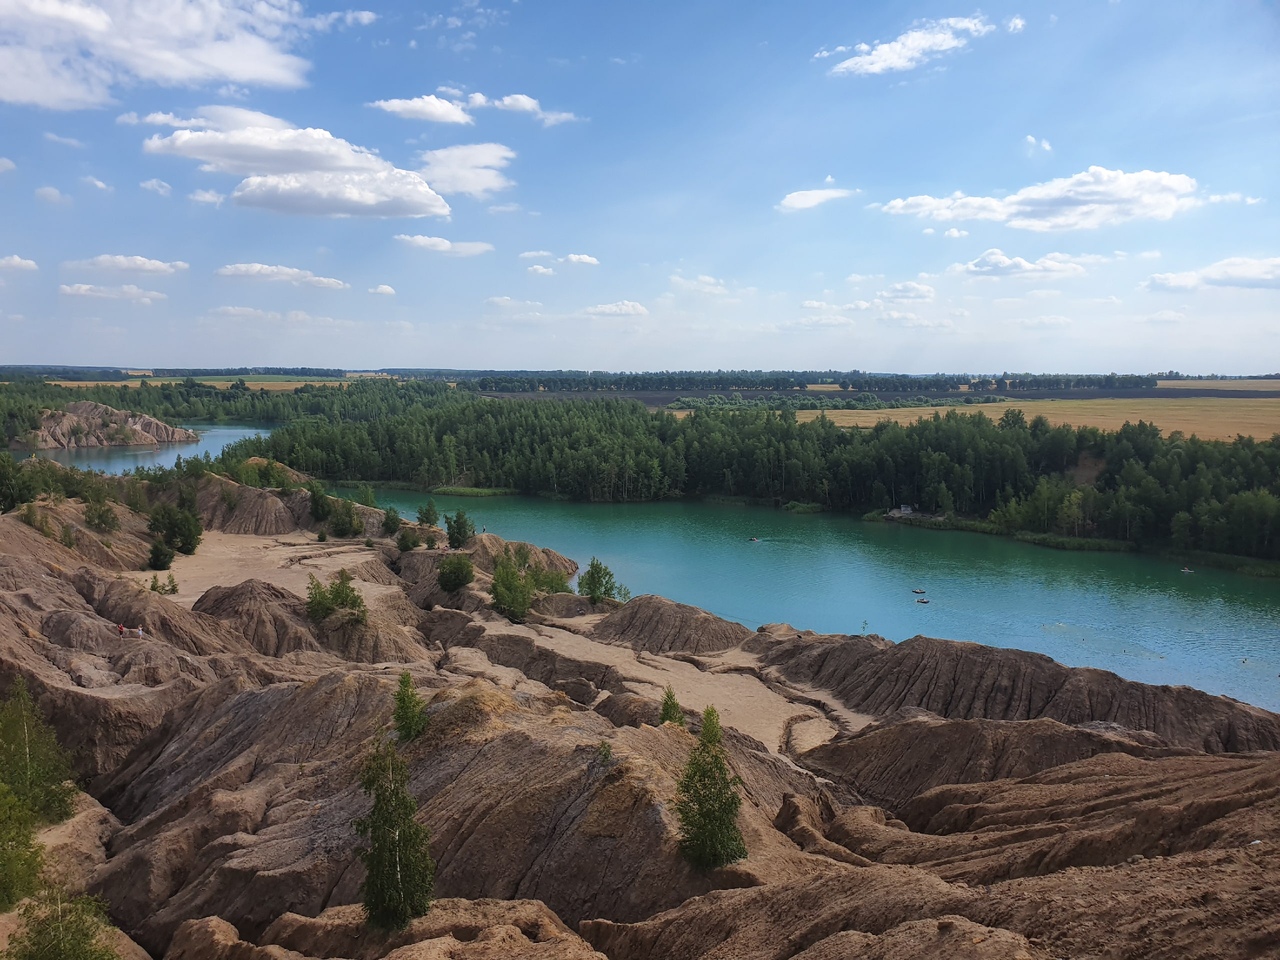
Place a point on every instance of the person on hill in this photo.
(139, 632)
(120, 627)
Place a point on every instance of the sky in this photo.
(912, 187)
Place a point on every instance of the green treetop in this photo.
(707, 802)
(671, 711)
(410, 716)
(32, 763)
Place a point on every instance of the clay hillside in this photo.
(83, 423)
(920, 799)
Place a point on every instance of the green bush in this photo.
(20, 857)
(460, 529)
(428, 515)
(455, 572)
(400, 873)
(671, 710)
(597, 583)
(161, 555)
(56, 926)
(32, 763)
(344, 521)
(67, 536)
(98, 515)
(179, 528)
(410, 715)
(321, 505)
(512, 590)
(339, 595)
(408, 540)
(707, 802)
(390, 521)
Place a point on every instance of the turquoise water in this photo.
(213, 437)
(1135, 615)
(1140, 617)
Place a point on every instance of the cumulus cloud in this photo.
(15, 262)
(71, 54)
(52, 195)
(65, 141)
(156, 186)
(1033, 144)
(292, 170)
(808, 199)
(956, 234)
(700, 284)
(582, 258)
(1097, 197)
(468, 248)
(510, 303)
(538, 270)
(384, 290)
(1233, 198)
(1246, 272)
(907, 290)
(473, 169)
(206, 196)
(925, 41)
(623, 308)
(820, 321)
(127, 292)
(1015, 24)
(6, 165)
(130, 264)
(995, 263)
(429, 107)
(294, 275)
(95, 182)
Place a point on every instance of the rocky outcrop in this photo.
(658, 625)
(272, 619)
(892, 761)
(83, 423)
(452, 930)
(485, 549)
(967, 681)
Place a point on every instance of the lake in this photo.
(213, 437)
(1137, 616)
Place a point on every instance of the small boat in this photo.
(922, 600)
(917, 590)
(1187, 570)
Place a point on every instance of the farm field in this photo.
(1210, 418)
(1260, 385)
(259, 382)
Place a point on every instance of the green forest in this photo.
(1067, 485)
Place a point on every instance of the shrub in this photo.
(368, 541)
(98, 515)
(322, 537)
(707, 802)
(390, 521)
(408, 539)
(671, 711)
(460, 529)
(512, 590)
(161, 555)
(321, 505)
(604, 751)
(32, 762)
(168, 588)
(410, 715)
(401, 874)
(428, 515)
(179, 528)
(339, 595)
(345, 522)
(431, 541)
(455, 573)
(597, 583)
(67, 536)
(57, 925)
(20, 857)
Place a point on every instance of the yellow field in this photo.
(1273, 385)
(222, 383)
(1210, 418)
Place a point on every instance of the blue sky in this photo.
(914, 187)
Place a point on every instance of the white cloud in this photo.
(1015, 24)
(384, 290)
(294, 275)
(525, 104)
(623, 308)
(907, 290)
(207, 196)
(6, 165)
(1233, 198)
(1097, 197)
(538, 270)
(52, 195)
(346, 18)
(15, 262)
(95, 182)
(822, 320)
(1164, 316)
(925, 41)
(156, 186)
(808, 199)
(857, 305)
(428, 107)
(70, 54)
(1044, 321)
(928, 231)
(511, 303)
(505, 208)
(292, 319)
(535, 254)
(65, 141)
(292, 170)
(132, 264)
(1245, 272)
(700, 284)
(824, 52)
(1033, 144)
(582, 258)
(995, 263)
(468, 248)
(956, 234)
(474, 169)
(1149, 255)
(128, 292)
(863, 277)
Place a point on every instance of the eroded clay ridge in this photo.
(921, 799)
(83, 423)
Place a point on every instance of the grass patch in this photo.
(476, 491)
